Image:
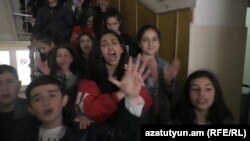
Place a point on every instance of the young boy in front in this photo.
(46, 98)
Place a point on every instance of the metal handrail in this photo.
(21, 14)
(25, 33)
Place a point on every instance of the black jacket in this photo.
(56, 20)
(11, 121)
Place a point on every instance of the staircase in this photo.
(12, 22)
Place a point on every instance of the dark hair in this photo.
(141, 32)
(218, 112)
(97, 64)
(43, 80)
(78, 47)
(46, 37)
(86, 13)
(86, 4)
(143, 29)
(114, 13)
(75, 66)
(8, 68)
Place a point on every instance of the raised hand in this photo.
(83, 121)
(153, 66)
(42, 66)
(171, 71)
(133, 78)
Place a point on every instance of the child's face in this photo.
(46, 103)
(113, 24)
(202, 93)
(150, 42)
(103, 4)
(64, 58)
(9, 88)
(86, 44)
(90, 21)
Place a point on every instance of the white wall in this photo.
(220, 12)
(246, 78)
(217, 43)
(7, 25)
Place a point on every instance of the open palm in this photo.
(133, 78)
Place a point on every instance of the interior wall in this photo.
(167, 24)
(144, 16)
(128, 10)
(174, 27)
(246, 78)
(7, 24)
(217, 43)
(220, 12)
(182, 48)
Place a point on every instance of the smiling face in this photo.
(46, 103)
(9, 87)
(64, 58)
(149, 42)
(111, 49)
(202, 93)
(86, 45)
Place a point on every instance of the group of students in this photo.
(104, 88)
(122, 94)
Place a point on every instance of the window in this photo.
(22, 65)
(16, 54)
(4, 57)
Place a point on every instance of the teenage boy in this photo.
(55, 17)
(12, 108)
(46, 98)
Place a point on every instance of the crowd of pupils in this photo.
(96, 83)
